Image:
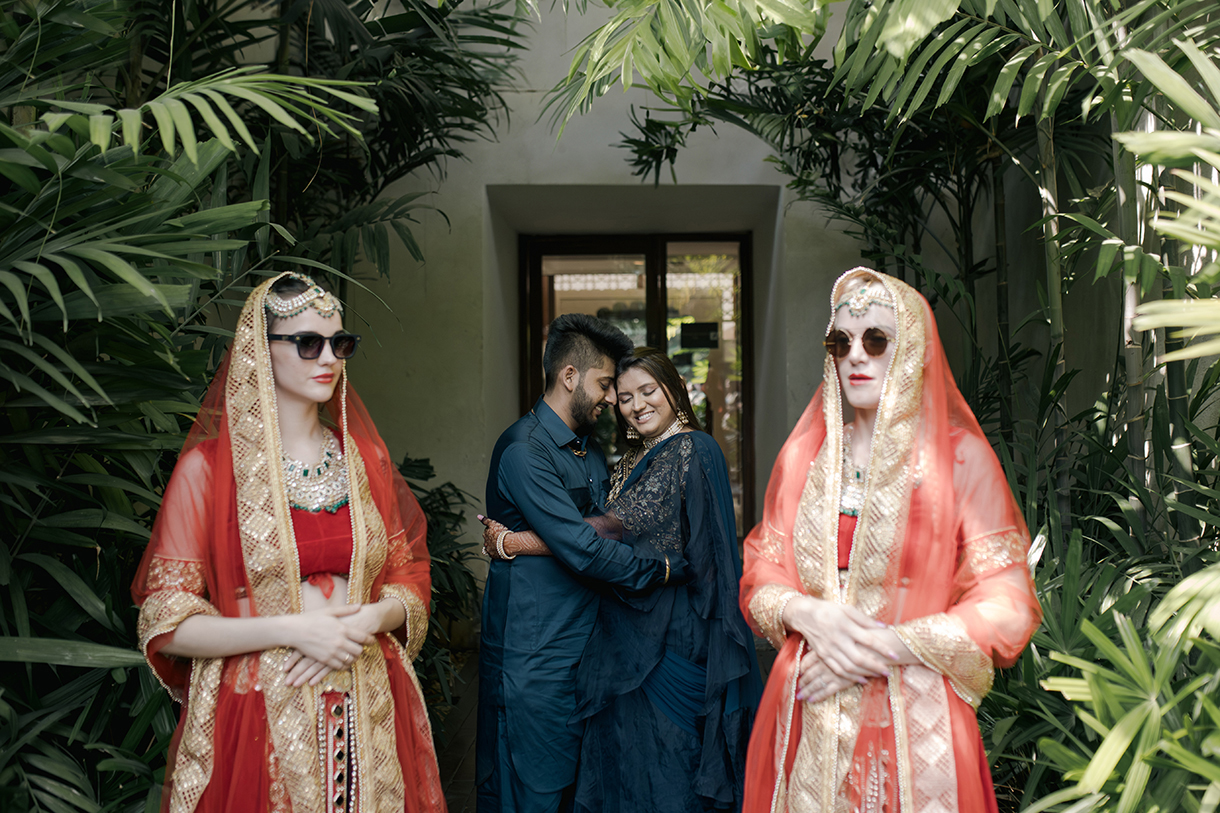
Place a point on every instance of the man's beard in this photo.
(582, 410)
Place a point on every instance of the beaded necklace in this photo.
(623, 470)
(851, 498)
(323, 487)
(674, 428)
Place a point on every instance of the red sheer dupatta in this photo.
(939, 552)
(223, 544)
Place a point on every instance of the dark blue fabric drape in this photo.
(669, 681)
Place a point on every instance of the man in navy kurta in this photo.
(538, 611)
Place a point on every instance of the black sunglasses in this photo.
(309, 345)
(838, 343)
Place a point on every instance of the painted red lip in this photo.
(324, 379)
(860, 378)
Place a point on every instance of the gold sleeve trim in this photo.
(176, 574)
(416, 624)
(162, 612)
(942, 644)
(767, 608)
(992, 551)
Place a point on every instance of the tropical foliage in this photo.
(146, 169)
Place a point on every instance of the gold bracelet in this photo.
(666, 570)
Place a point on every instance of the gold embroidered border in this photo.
(783, 734)
(161, 613)
(767, 606)
(416, 616)
(196, 749)
(268, 545)
(418, 717)
(992, 551)
(927, 770)
(176, 574)
(380, 774)
(941, 642)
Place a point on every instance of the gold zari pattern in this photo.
(767, 607)
(162, 613)
(416, 614)
(940, 641)
(989, 552)
(176, 574)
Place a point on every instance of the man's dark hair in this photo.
(582, 341)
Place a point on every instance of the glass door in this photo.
(687, 294)
(702, 315)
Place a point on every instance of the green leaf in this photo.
(67, 653)
(101, 127)
(20, 175)
(1112, 748)
(165, 125)
(133, 126)
(74, 586)
(1175, 87)
(123, 270)
(109, 301)
(95, 518)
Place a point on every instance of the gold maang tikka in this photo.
(324, 302)
(863, 299)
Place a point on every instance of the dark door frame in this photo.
(533, 247)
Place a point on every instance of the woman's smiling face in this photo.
(642, 403)
(861, 375)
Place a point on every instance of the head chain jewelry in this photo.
(324, 302)
(864, 298)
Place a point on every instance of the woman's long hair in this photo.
(652, 361)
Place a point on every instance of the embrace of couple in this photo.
(616, 672)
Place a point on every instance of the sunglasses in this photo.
(838, 343)
(309, 345)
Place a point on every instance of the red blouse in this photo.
(847, 527)
(324, 545)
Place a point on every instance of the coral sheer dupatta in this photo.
(223, 544)
(939, 552)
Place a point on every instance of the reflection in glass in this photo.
(703, 292)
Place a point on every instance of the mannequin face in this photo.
(642, 403)
(305, 380)
(861, 375)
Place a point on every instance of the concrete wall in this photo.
(439, 368)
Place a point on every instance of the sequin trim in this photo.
(176, 574)
(992, 551)
(160, 614)
(767, 608)
(942, 644)
(416, 624)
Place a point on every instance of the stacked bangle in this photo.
(500, 537)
